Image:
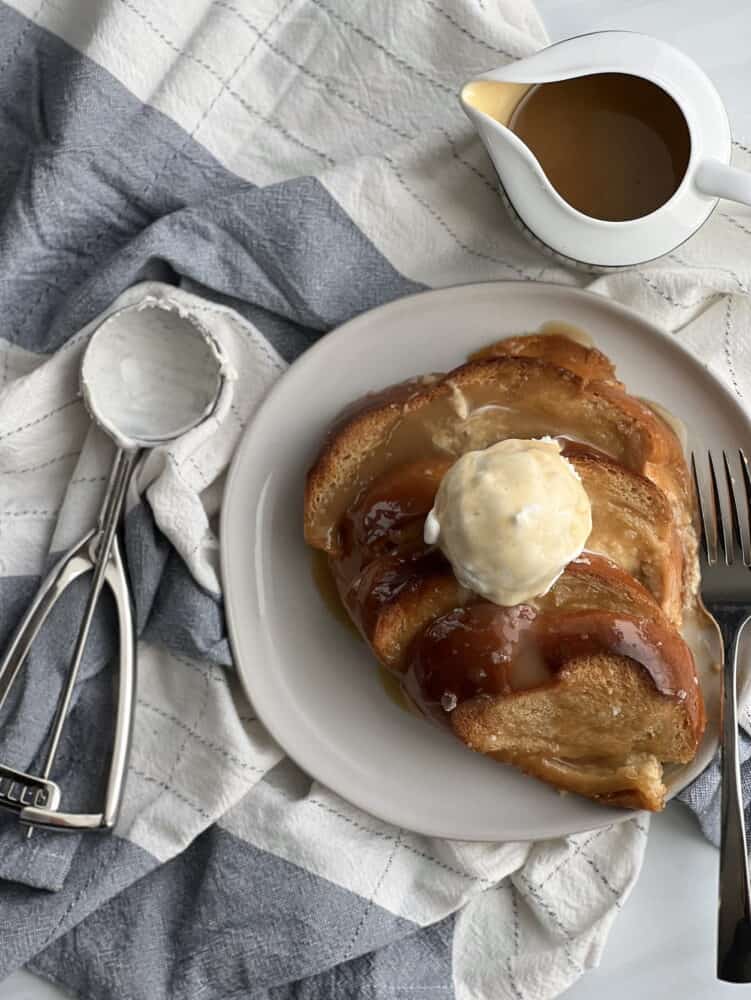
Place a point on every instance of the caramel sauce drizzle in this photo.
(485, 649)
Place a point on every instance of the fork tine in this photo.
(737, 527)
(746, 534)
(724, 530)
(708, 521)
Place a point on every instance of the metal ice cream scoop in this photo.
(149, 374)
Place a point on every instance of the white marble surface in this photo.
(24, 986)
(663, 942)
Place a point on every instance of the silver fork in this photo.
(724, 498)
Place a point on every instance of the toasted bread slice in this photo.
(633, 524)
(599, 706)
(602, 730)
(401, 620)
(474, 406)
(587, 362)
(594, 582)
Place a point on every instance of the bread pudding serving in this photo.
(515, 541)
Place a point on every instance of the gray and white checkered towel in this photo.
(293, 162)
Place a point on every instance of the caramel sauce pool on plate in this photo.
(326, 587)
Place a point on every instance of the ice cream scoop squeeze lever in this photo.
(149, 374)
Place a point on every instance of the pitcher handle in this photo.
(721, 181)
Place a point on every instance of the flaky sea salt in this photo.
(448, 701)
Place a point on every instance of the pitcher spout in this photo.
(490, 103)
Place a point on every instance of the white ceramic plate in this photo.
(313, 683)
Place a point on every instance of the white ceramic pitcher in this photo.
(558, 227)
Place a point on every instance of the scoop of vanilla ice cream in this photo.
(509, 518)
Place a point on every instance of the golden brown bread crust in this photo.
(557, 349)
(633, 524)
(596, 583)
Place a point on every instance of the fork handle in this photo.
(734, 918)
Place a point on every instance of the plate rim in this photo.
(230, 496)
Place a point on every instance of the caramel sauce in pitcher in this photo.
(613, 145)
